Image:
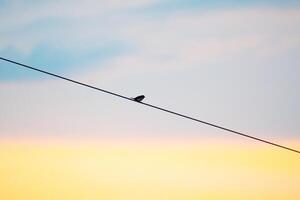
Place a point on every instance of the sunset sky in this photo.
(232, 63)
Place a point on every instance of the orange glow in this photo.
(140, 170)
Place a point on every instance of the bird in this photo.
(139, 98)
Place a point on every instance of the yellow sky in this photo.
(147, 170)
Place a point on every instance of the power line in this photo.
(153, 106)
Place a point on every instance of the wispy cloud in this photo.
(188, 38)
(243, 56)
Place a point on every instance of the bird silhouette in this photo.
(139, 98)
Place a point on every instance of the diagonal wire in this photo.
(153, 106)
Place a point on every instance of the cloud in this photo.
(187, 40)
(237, 66)
(25, 25)
(189, 36)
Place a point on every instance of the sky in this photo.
(182, 171)
(232, 63)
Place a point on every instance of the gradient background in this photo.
(233, 63)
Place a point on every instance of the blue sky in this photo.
(175, 5)
(237, 60)
(62, 61)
